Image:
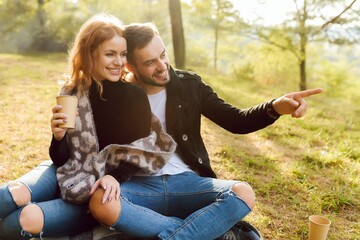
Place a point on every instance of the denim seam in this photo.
(142, 194)
(166, 193)
(177, 193)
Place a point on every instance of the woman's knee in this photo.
(107, 213)
(32, 219)
(245, 192)
(20, 193)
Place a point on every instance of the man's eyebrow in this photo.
(150, 60)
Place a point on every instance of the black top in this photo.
(122, 114)
(188, 99)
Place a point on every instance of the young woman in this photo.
(117, 112)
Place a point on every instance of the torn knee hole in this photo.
(20, 193)
(245, 192)
(32, 219)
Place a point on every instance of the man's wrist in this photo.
(272, 113)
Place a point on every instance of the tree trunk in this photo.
(215, 47)
(303, 43)
(177, 33)
(303, 75)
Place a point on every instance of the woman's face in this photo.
(110, 59)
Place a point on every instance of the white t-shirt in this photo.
(158, 105)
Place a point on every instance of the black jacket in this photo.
(188, 97)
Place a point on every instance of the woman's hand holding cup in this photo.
(57, 119)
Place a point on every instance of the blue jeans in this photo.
(200, 208)
(60, 218)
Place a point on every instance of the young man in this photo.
(186, 188)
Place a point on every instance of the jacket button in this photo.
(181, 75)
(185, 137)
(200, 160)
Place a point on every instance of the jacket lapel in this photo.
(175, 104)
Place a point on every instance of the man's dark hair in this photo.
(137, 36)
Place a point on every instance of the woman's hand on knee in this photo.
(111, 188)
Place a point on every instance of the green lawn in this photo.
(297, 167)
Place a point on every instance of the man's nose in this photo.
(162, 65)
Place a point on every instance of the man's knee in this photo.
(245, 192)
(20, 193)
(32, 219)
(107, 213)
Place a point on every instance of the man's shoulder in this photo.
(187, 75)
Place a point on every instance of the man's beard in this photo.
(149, 81)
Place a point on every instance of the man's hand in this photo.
(294, 103)
(111, 187)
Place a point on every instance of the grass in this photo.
(28, 86)
(297, 167)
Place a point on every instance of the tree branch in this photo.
(338, 16)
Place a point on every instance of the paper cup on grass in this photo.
(318, 227)
(69, 107)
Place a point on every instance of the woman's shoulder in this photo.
(133, 89)
(123, 89)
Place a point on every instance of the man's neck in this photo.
(150, 90)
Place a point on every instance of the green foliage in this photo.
(218, 14)
(53, 25)
(245, 72)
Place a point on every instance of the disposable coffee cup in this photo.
(318, 227)
(69, 107)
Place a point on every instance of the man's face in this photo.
(152, 65)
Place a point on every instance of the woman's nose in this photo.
(119, 61)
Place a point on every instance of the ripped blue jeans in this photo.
(200, 207)
(60, 218)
